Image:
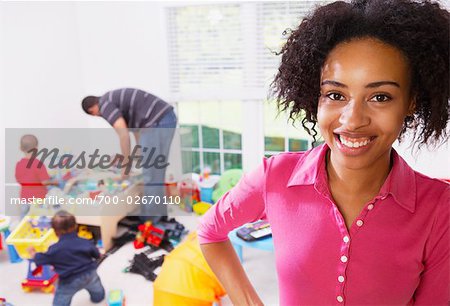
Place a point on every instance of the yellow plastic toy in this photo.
(186, 279)
(201, 207)
(29, 233)
(83, 232)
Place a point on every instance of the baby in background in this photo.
(74, 259)
(31, 174)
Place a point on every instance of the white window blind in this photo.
(205, 51)
(225, 51)
(274, 20)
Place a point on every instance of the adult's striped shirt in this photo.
(138, 108)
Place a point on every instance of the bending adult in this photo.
(153, 122)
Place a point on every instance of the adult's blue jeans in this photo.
(67, 289)
(156, 141)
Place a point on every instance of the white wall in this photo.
(123, 44)
(55, 53)
(434, 163)
(41, 65)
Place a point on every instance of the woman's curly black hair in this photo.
(419, 29)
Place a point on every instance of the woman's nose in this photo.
(354, 116)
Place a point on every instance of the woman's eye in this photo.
(335, 96)
(380, 98)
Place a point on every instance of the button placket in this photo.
(345, 246)
(343, 262)
(341, 279)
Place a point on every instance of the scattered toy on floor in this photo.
(116, 298)
(145, 266)
(148, 235)
(3, 302)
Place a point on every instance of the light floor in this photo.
(260, 267)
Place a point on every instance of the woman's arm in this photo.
(434, 283)
(224, 262)
(244, 203)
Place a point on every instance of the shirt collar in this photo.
(400, 183)
(307, 168)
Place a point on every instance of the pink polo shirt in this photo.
(395, 253)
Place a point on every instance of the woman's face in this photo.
(365, 96)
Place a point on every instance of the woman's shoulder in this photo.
(413, 185)
(436, 187)
(432, 196)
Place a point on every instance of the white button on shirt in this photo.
(346, 239)
(370, 206)
(344, 258)
(359, 222)
(341, 279)
(340, 299)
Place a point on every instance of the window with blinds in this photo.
(218, 47)
(274, 22)
(226, 52)
(205, 51)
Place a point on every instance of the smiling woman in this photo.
(351, 222)
(365, 98)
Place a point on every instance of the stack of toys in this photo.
(35, 232)
(92, 183)
(189, 192)
(174, 230)
(165, 234)
(91, 233)
(171, 187)
(148, 235)
(65, 173)
(207, 183)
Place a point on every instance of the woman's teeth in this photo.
(354, 143)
